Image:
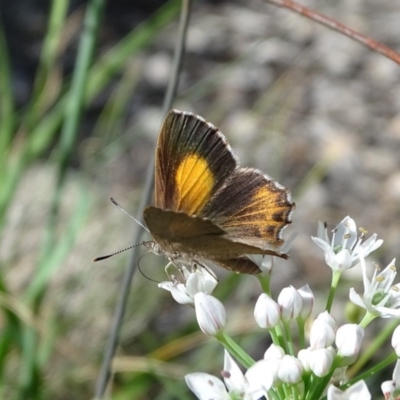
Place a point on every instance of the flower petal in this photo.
(206, 386)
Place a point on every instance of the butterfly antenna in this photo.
(117, 252)
(129, 215)
(140, 270)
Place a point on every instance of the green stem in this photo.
(372, 371)
(234, 349)
(335, 280)
(289, 341)
(374, 346)
(280, 338)
(301, 325)
(265, 280)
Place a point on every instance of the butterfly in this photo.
(207, 207)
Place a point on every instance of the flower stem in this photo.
(374, 346)
(368, 318)
(302, 340)
(335, 280)
(372, 371)
(289, 340)
(234, 349)
(265, 280)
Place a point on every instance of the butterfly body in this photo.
(207, 208)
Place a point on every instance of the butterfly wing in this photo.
(251, 208)
(206, 207)
(193, 160)
(191, 238)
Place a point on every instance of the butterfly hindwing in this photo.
(259, 212)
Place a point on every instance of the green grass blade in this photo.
(47, 63)
(61, 249)
(101, 73)
(140, 37)
(7, 107)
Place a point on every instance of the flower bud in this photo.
(290, 370)
(290, 303)
(322, 334)
(200, 281)
(307, 297)
(210, 313)
(388, 388)
(348, 340)
(304, 357)
(321, 361)
(325, 316)
(396, 340)
(274, 352)
(266, 312)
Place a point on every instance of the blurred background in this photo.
(311, 108)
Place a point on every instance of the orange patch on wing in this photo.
(194, 182)
(272, 213)
(263, 216)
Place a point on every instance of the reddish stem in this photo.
(337, 26)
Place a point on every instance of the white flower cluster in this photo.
(284, 373)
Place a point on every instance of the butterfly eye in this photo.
(153, 247)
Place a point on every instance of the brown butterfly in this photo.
(207, 208)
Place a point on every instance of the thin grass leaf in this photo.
(110, 120)
(11, 334)
(61, 249)
(138, 39)
(47, 69)
(7, 106)
(101, 73)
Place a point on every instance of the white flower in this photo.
(261, 376)
(325, 316)
(322, 334)
(290, 303)
(396, 340)
(304, 357)
(255, 382)
(390, 387)
(210, 313)
(251, 386)
(345, 248)
(206, 386)
(320, 361)
(274, 352)
(307, 297)
(380, 298)
(266, 312)
(198, 281)
(290, 370)
(358, 391)
(348, 340)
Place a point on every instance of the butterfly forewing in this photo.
(193, 160)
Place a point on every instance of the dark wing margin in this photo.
(251, 208)
(193, 160)
(242, 265)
